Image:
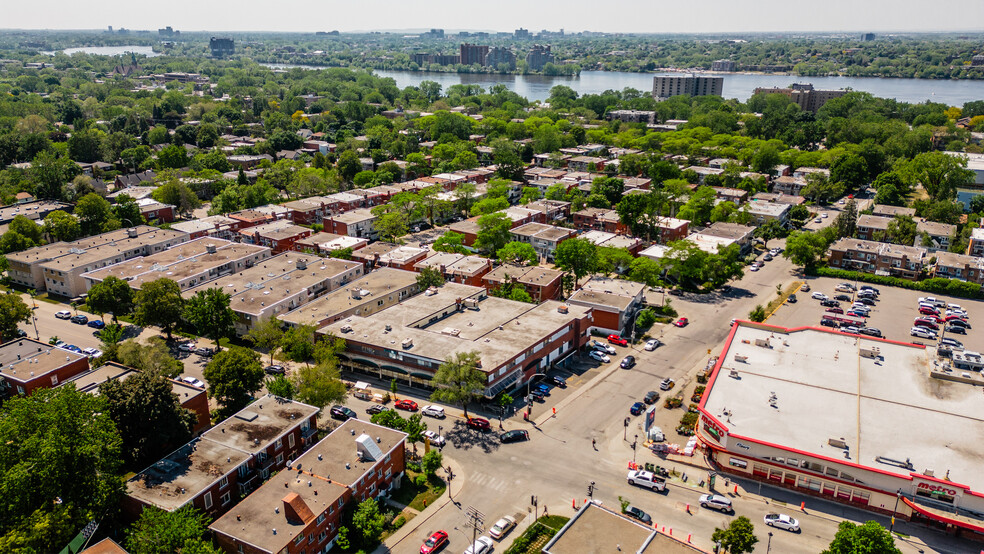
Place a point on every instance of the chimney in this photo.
(296, 510)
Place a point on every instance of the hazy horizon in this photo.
(627, 16)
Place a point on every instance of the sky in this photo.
(635, 16)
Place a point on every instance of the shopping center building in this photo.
(882, 425)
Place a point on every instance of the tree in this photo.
(847, 221)
(61, 226)
(939, 173)
(368, 520)
(772, 229)
(891, 189)
(93, 212)
(821, 189)
(281, 386)
(349, 165)
(109, 339)
(59, 467)
(233, 376)
(458, 380)
(209, 312)
(520, 253)
(153, 357)
(320, 385)
(13, 311)
(901, 230)
(161, 532)
(127, 211)
(26, 227)
(851, 170)
(297, 344)
(609, 187)
(646, 270)
(508, 162)
(530, 194)
(148, 415)
(414, 427)
(179, 195)
(738, 537)
(869, 538)
(493, 232)
(159, 303)
(111, 295)
(429, 277)
(267, 333)
(450, 242)
(578, 256)
(805, 248)
(757, 314)
(172, 157)
(432, 462)
(12, 241)
(489, 205)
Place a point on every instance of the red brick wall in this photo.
(199, 405)
(44, 381)
(606, 320)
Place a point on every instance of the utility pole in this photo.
(450, 477)
(476, 519)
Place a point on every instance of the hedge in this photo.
(936, 285)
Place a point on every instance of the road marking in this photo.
(487, 481)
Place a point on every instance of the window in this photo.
(280, 458)
(54, 380)
(299, 539)
(224, 482)
(208, 500)
(290, 440)
(277, 445)
(226, 498)
(321, 519)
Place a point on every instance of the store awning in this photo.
(394, 369)
(361, 385)
(365, 362)
(974, 525)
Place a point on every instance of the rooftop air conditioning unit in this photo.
(407, 343)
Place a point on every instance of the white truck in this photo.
(646, 479)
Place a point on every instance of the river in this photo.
(113, 50)
(736, 85)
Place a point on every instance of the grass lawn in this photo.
(414, 496)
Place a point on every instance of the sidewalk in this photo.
(411, 526)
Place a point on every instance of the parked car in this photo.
(871, 332)
(843, 298)
(406, 404)
(435, 542)
(871, 288)
(636, 513)
(817, 295)
(72, 348)
(628, 362)
(652, 344)
(857, 313)
(502, 527)
(97, 324)
(829, 323)
(538, 395)
(542, 387)
(92, 352)
(829, 303)
(597, 355)
(955, 317)
(598, 345)
(926, 310)
(186, 347)
(479, 423)
(954, 343)
(204, 352)
(791, 299)
(482, 545)
(954, 329)
(558, 381)
(716, 502)
(866, 301)
(193, 382)
(959, 323)
(682, 322)
(615, 339)
(927, 323)
(666, 384)
(835, 310)
(923, 333)
(805, 287)
(852, 329)
(637, 408)
(63, 314)
(433, 411)
(782, 521)
(753, 268)
(646, 479)
(375, 409)
(651, 397)
(275, 369)
(515, 435)
(767, 257)
(434, 438)
(79, 319)
(342, 413)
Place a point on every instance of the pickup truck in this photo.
(646, 479)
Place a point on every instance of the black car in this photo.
(843, 298)
(516, 435)
(636, 513)
(958, 323)
(829, 323)
(870, 289)
(871, 331)
(558, 381)
(791, 299)
(537, 394)
(955, 329)
(829, 303)
(274, 369)
(342, 413)
(651, 397)
(79, 319)
(375, 409)
(866, 301)
(628, 362)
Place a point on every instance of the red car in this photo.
(929, 324)
(434, 543)
(479, 423)
(682, 322)
(406, 404)
(925, 310)
(950, 318)
(615, 339)
(835, 310)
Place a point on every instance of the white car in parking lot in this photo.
(600, 356)
(92, 352)
(782, 521)
(63, 314)
(923, 333)
(193, 382)
(186, 347)
(482, 546)
(433, 411)
(818, 296)
(598, 345)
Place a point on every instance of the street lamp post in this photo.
(898, 495)
(768, 547)
(636, 441)
(450, 478)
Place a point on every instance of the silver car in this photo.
(716, 502)
(782, 521)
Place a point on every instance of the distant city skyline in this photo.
(629, 16)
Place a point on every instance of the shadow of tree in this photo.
(464, 437)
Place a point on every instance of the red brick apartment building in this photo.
(227, 462)
(299, 510)
(539, 282)
(27, 364)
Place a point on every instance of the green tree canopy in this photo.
(161, 532)
(13, 311)
(233, 376)
(112, 294)
(451, 242)
(209, 312)
(738, 537)
(493, 232)
(458, 380)
(267, 333)
(578, 256)
(159, 303)
(61, 226)
(93, 212)
(869, 538)
(152, 357)
(429, 277)
(520, 253)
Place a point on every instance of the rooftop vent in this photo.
(407, 343)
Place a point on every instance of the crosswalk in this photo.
(488, 481)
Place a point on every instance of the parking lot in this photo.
(893, 312)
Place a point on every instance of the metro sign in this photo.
(937, 489)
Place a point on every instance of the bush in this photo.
(935, 285)
(757, 314)
(420, 480)
(399, 522)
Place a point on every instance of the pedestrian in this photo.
(593, 444)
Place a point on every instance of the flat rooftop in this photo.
(355, 216)
(25, 359)
(256, 425)
(889, 407)
(373, 287)
(81, 257)
(620, 287)
(89, 381)
(439, 260)
(599, 530)
(210, 223)
(339, 449)
(57, 249)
